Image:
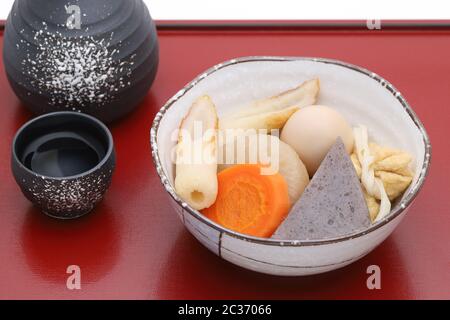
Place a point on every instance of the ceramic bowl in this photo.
(360, 95)
(63, 162)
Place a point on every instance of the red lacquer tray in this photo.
(134, 247)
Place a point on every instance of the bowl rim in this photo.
(395, 212)
(100, 125)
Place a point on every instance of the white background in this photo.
(288, 9)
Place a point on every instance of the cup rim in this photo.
(92, 119)
(395, 212)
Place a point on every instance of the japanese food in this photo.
(301, 96)
(272, 113)
(333, 204)
(266, 121)
(320, 180)
(384, 173)
(312, 131)
(271, 152)
(196, 157)
(249, 202)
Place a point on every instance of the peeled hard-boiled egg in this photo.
(313, 130)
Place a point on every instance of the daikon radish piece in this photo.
(270, 151)
(301, 96)
(196, 155)
(268, 121)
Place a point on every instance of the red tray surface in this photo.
(133, 245)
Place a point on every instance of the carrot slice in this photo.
(248, 202)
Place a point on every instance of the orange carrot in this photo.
(248, 202)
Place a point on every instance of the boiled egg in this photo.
(313, 130)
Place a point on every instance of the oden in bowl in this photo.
(361, 96)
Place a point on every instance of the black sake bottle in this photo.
(98, 57)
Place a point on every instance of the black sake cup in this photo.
(63, 162)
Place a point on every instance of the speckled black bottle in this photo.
(99, 57)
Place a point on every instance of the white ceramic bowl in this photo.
(360, 95)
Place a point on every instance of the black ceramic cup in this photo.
(63, 162)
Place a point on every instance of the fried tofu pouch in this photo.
(391, 166)
(196, 156)
(265, 121)
(272, 113)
